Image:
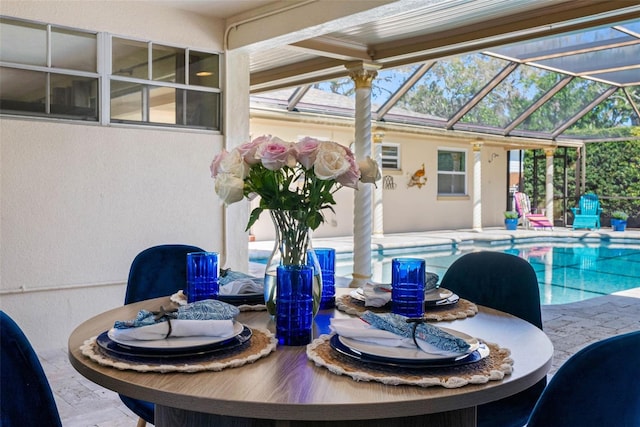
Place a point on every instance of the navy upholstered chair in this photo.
(155, 272)
(507, 283)
(25, 394)
(597, 386)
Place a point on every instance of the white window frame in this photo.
(397, 159)
(48, 69)
(103, 77)
(463, 173)
(156, 83)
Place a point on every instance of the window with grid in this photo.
(390, 156)
(48, 71)
(452, 172)
(151, 83)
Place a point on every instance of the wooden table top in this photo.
(287, 386)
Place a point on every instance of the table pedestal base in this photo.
(169, 417)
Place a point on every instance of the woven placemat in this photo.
(181, 299)
(261, 344)
(492, 368)
(462, 309)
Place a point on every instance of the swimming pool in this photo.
(566, 272)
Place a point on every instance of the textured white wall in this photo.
(406, 209)
(79, 201)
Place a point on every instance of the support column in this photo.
(378, 210)
(549, 152)
(235, 252)
(362, 75)
(477, 186)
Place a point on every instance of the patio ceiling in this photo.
(591, 46)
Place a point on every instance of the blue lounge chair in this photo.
(587, 214)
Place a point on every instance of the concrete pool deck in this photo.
(448, 239)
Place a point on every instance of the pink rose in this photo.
(215, 164)
(248, 150)
(307, 151)
(351, 177)
(276, 154)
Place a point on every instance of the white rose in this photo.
(229, 188)
(331, 161)
(369, 170)
(234, 164)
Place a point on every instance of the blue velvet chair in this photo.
(507, 283)
(155, 272)
(25, 394)
(597, 386)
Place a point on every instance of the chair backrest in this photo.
(25, 394)
(597, 386)
(522, 204)
(158, 271)
(497, 280)
(589, 204)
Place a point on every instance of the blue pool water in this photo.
(566, 272)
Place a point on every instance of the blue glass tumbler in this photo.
(327, 262)
(407, 286)
(202, 276)
(294, 311)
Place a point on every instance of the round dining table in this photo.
(285, 388)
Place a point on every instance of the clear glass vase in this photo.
(292, 247)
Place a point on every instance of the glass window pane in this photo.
(74, 96)
(451, 184)
(73, 50)
(22, 91)
(126, 101)
(204, 69)
(612, 118)
(388, 81)
(563, 105)
(168, 64)
(130, 58)
(450, 84)
(512, 96)
(451, 161)
(23, 42)
(162, 105)
(202, 110)
(332, 97)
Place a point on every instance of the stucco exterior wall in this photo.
(406, 208)
(79, 201)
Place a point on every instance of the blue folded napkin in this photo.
(200, 310)
(430, 334)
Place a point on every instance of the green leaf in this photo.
(255, 214)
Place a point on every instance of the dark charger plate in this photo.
(168, 355)
(242, 299)
(475, 356)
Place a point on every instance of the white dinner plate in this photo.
(437, 294)
(406, 353)
(178, 342)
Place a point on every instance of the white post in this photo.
(378, 206)
(236, 124)
(362, 74)
(477, 186)
(549, 152)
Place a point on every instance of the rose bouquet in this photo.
(295, 182)
(289, 176)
